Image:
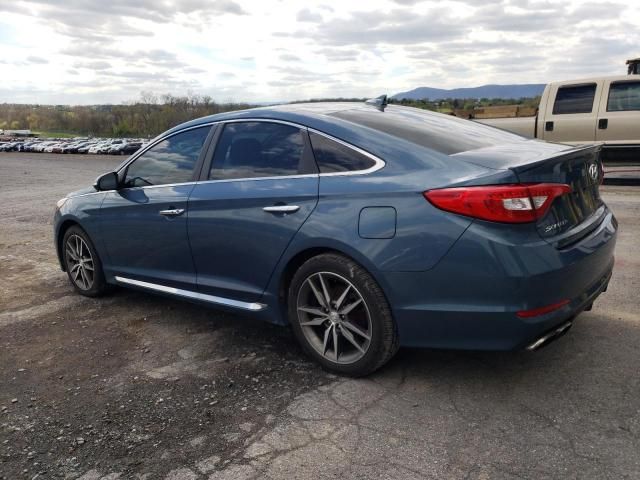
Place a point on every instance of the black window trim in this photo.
(204, 173)
(573, 85)
(197, 170)
(620, 82)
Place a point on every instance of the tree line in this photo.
(146, 117)
(151, 114)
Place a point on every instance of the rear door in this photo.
(571, 113)
(258, 190)
(619, 112)
(144, 223)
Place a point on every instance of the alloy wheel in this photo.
(79, 262)
(334, 317)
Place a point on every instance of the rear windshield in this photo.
(442, 133)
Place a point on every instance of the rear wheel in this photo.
(82, 263)
(340, 315)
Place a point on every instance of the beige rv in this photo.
(591, 110)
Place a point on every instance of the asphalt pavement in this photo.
(143, 387)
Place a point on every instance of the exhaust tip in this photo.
(548, 337)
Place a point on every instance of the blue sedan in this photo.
(362, 227)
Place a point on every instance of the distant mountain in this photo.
(485, 91)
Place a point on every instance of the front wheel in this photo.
(340, 316)
(82, 263)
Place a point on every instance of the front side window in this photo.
(333, 157)
(257, 149)
(624, 96)
(574, 99)
(170, 161)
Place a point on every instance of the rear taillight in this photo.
(519, 203)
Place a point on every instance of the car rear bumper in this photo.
(471, 299)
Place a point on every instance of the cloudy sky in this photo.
(108, 51)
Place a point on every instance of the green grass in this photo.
(57, 134)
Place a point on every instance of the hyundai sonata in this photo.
(363, 227)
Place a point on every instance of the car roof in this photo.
(374, 130)
(612, 78)
(303, 113)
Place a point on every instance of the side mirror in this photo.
(108, 181)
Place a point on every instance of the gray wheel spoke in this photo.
(342, 297)
(74, 268)
(325, 342)
(317, 294)
(71, 253)
(314, 322)
(327, 298)
(335, 343)
(81, 279)
(346, 310)
(313, 311)
(355, 329)
(89, 266)
(349, 336)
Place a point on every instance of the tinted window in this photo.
(624, 96)
(170, 161)
(334, 157)
(442, 133)
(257, 149)
(574, 99)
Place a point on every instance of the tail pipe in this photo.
(550, 336)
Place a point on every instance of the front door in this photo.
(262, 185)
(144, 223)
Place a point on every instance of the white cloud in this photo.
(91, 51)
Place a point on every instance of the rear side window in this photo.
(257, 149)
(170, 161)
(624, 96)
(574, 99)
(334, 157)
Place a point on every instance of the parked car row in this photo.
(98, 146)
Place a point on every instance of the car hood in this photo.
(81, 192)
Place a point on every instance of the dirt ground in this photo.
(143, 387)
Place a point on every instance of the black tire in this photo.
(380, 326)
(97, 286)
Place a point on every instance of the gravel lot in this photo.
(139, 386)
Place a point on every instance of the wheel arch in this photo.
(294, 262)
(62, 229)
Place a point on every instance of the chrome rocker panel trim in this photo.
(254, 307)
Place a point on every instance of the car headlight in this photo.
(61, 202)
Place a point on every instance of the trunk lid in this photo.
(571, 216)
(574, 215)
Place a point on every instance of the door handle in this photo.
(172, 212)
(548, 127)
(603, 123)
(282, 209)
